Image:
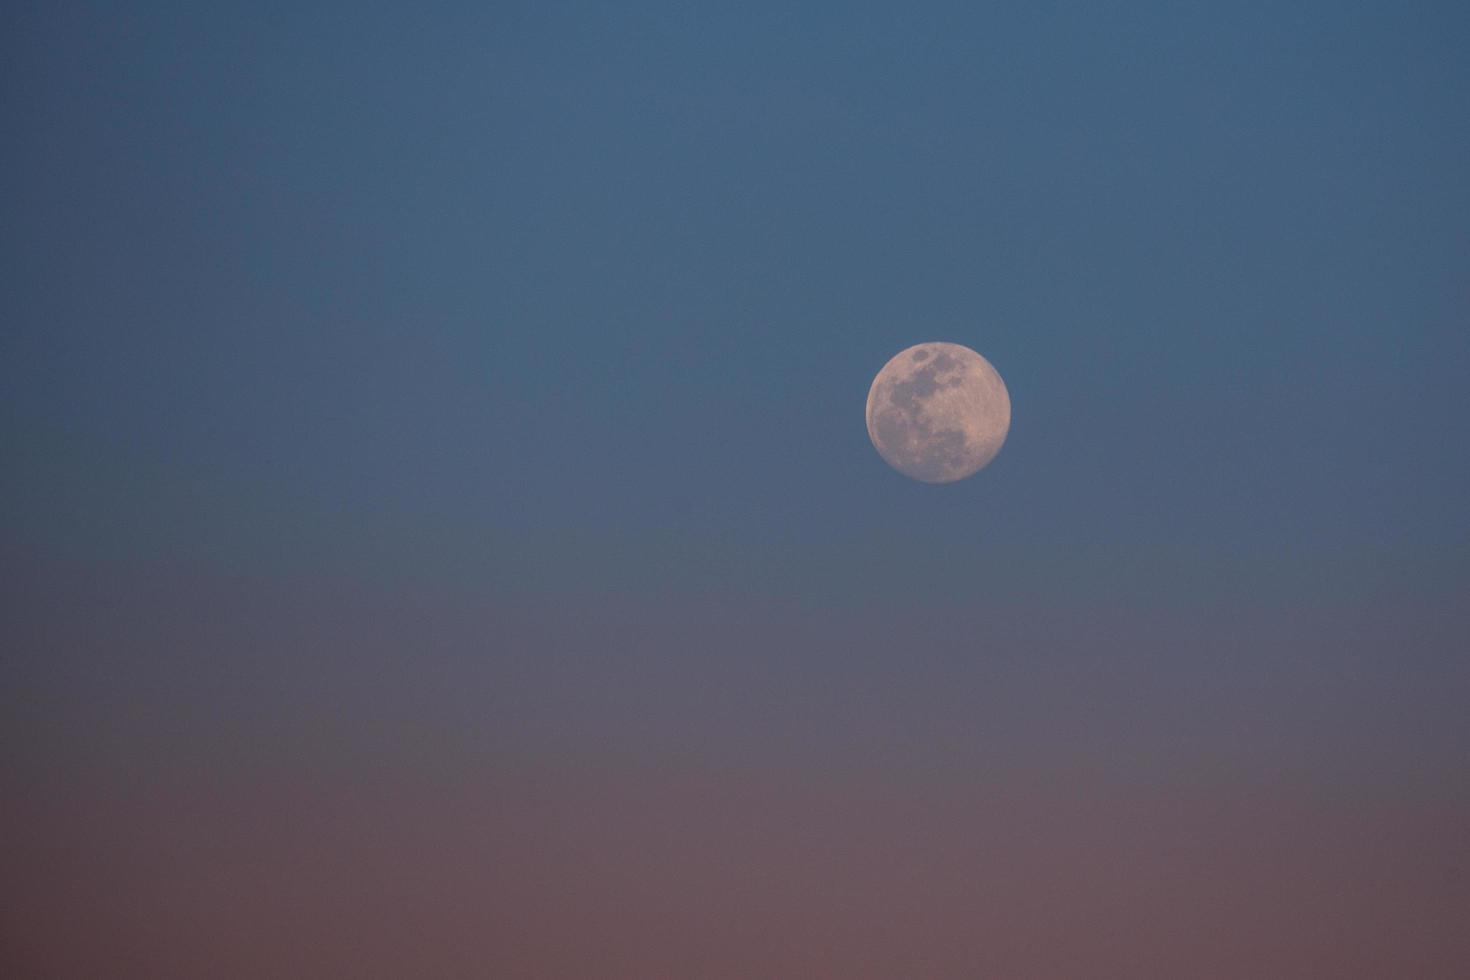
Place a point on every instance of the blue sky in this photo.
(548, 328)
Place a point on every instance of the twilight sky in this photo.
(439, 535)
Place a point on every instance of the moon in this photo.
(938, 412)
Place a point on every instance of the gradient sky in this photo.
(440, 537)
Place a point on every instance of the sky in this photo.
(440, 535)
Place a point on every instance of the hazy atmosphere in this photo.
(439, 534)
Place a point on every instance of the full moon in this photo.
(938, 412)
